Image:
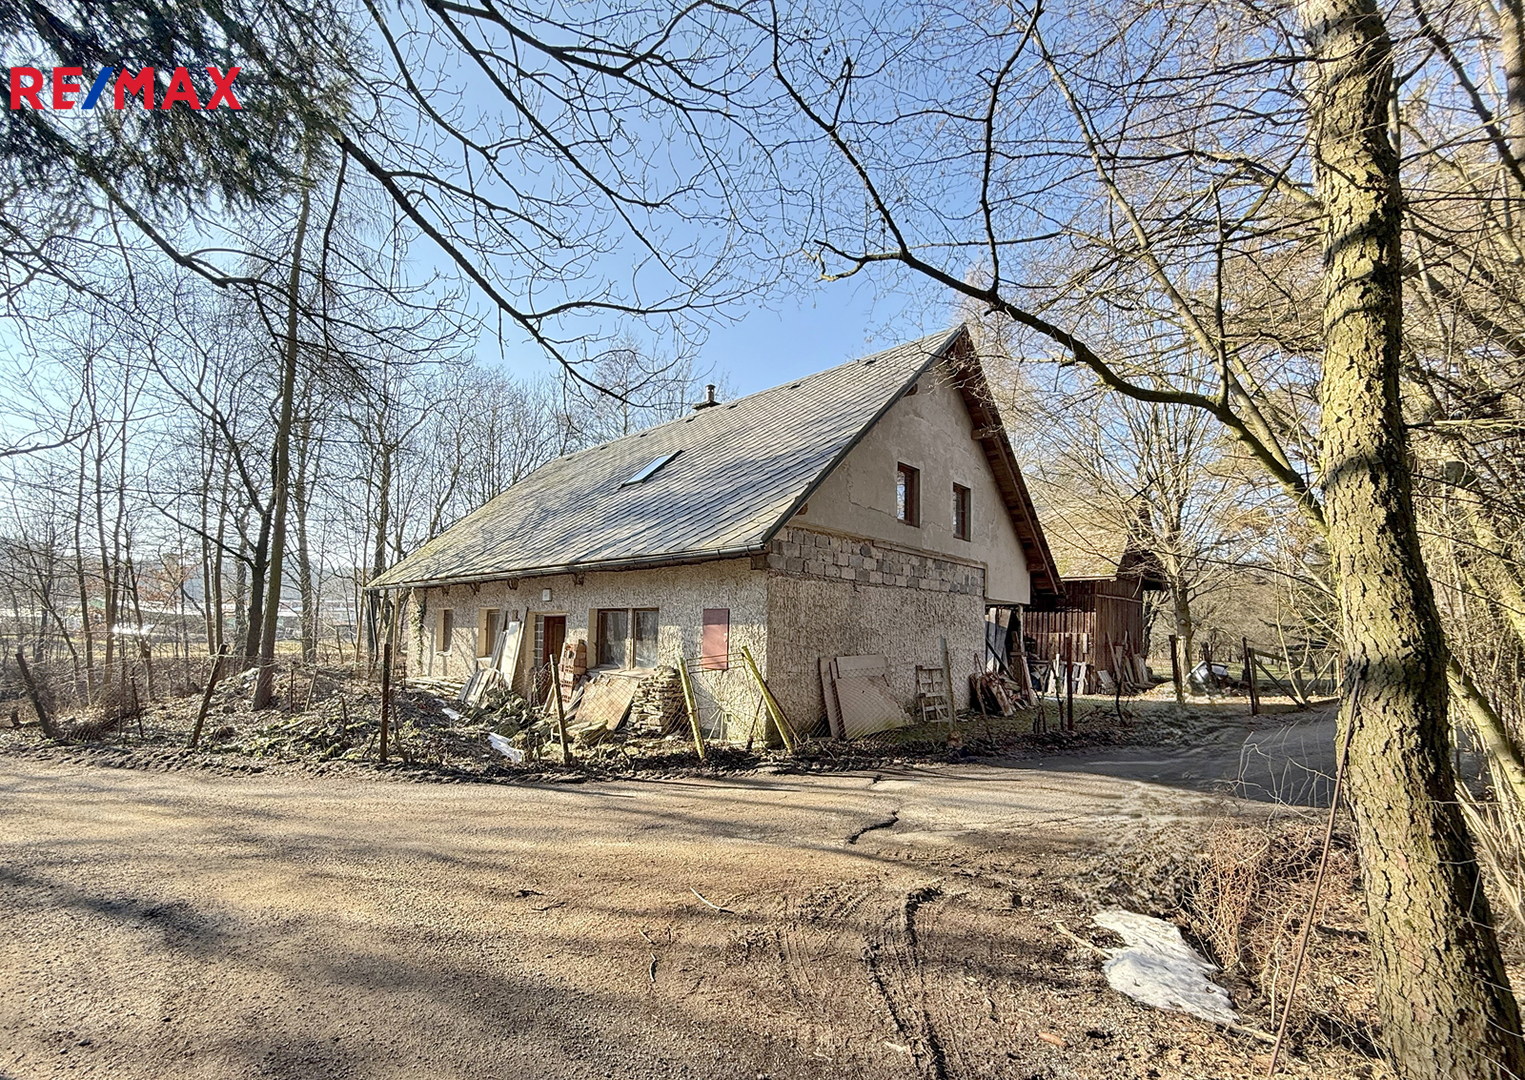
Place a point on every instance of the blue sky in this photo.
(797, 333)
(833, 323)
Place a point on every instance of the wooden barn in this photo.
(1101, 612)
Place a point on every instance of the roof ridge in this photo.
(946, 336)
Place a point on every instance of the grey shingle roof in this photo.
(740, 472)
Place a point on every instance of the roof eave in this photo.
(975, 390)
(637, 562)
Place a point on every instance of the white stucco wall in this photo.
(929, 430)
(680, 594)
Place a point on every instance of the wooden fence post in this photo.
(561, 712)
(691, 705)
(386, 696)
(48, 727)
(948, 678)
(1069, 682)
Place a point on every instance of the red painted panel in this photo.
(715, 642)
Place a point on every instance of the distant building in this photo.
(1105, 575)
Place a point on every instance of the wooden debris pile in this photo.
(997, 695)
(600, 705)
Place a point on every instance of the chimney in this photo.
(709, 401)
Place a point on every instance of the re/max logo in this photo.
(27, 84)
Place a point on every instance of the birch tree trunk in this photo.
(1447, 1010)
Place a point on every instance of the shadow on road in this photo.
(1286, 758)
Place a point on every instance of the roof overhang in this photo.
(990, 433)
(652, 562)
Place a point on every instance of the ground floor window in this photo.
(627, 637)
(444, 629)
(489, 626)
(645, 644)
(613, 636)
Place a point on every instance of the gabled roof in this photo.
(1087, 550)
(733, 476)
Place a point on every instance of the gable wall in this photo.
(930, 431)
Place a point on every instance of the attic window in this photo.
(908, 494)
(650, 468)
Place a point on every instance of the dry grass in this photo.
(1241, 891)
(1248, 904)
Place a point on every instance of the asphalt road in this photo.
(1284, 757)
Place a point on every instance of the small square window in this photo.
(908, 494)
(960, 511)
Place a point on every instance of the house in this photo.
(869, 509)
(1106, 574)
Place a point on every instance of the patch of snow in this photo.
(1158, 968)
(450, 713)
(500, 744)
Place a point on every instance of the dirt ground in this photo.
(897, 924)
(326, 719)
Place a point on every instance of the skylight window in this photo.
(650, 468)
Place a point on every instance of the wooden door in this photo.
(554, 637)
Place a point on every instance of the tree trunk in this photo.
(206, 546)
(1181, 607)
(264, 682)
(281, 475)
(1512, 46)
(259, 568)
(379, 550)
(1444, 997)
(240, 599)
(214, 598)
(306, 587)
(145, 647)
(82, 583)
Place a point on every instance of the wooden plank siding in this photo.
(1106, 611)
